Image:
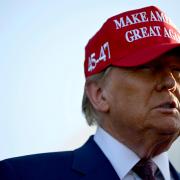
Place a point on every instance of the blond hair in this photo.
(87, 108)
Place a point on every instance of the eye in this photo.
(176, 72)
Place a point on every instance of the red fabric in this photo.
(130, 39)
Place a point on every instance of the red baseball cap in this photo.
(131, 39)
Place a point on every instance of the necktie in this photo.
(145, 169)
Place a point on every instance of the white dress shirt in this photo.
(123, 159)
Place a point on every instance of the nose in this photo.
(166, 81)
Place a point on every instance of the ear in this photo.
(96, 96)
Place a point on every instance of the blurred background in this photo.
(41, 71)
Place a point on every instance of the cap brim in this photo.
(145, 55)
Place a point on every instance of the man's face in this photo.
(144, 105)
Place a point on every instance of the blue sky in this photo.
(41, 69)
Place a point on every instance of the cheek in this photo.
(130, 101)
(134, 98)
(163, 123)
(130, 107)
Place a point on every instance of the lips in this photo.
(169, 105)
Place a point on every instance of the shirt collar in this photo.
(162, 162)
(112, 149)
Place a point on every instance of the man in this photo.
(132, 93)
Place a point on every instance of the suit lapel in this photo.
(90, 161)
(174, 173)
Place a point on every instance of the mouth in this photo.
(169, 106)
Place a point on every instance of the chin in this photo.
(161, 143)
(164, 143)
(170, 128)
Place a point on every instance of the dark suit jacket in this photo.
(86, 163)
